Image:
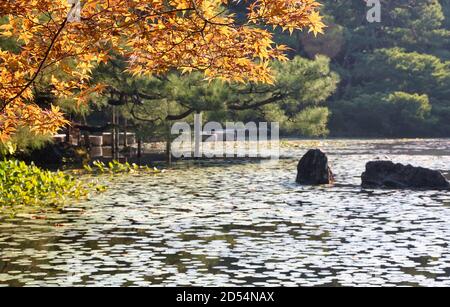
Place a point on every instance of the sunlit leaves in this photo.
(289, 15)
(155, 36)
(20, 114)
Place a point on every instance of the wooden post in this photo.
(68, 131)
(113, 133)
(68, 135)
(197, 134)
(117, 138)
(168, 152)
(125, 123)
(86, 135)
(168, 146)
(139, 150)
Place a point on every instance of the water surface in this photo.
(224, 224)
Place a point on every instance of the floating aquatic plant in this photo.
(115, 167)
(30, 186)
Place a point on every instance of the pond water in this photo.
(247, 223)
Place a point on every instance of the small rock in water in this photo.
(313, 169)
(382, 157)
(386, 174)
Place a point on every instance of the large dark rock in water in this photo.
(313, 169)
(386, 174)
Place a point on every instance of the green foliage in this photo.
(395, 93)
(410, 106)
(115, 167)
(305, 82)
(274, 113)
(369, 79)
(7, 43)
(396, 69)
(7, 149)
(306, 85)
(23, 142)
(395, 74)
(28, 186)
(312, 122)
(380, 114)
(152, 104)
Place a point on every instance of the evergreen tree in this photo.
(406, 55)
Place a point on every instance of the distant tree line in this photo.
(395, 75)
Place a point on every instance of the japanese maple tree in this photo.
(155, 36)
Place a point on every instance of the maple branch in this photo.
(206, 20)
(39, 69)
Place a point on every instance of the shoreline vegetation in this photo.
(26, 187)
(29, 188)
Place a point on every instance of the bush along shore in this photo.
(26, 187)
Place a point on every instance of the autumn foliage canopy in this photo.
(153, 35)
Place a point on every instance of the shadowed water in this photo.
(223, 224)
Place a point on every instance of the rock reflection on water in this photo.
(244, 224)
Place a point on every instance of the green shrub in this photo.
(23, 142)
(23, 185)
(312, 121)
